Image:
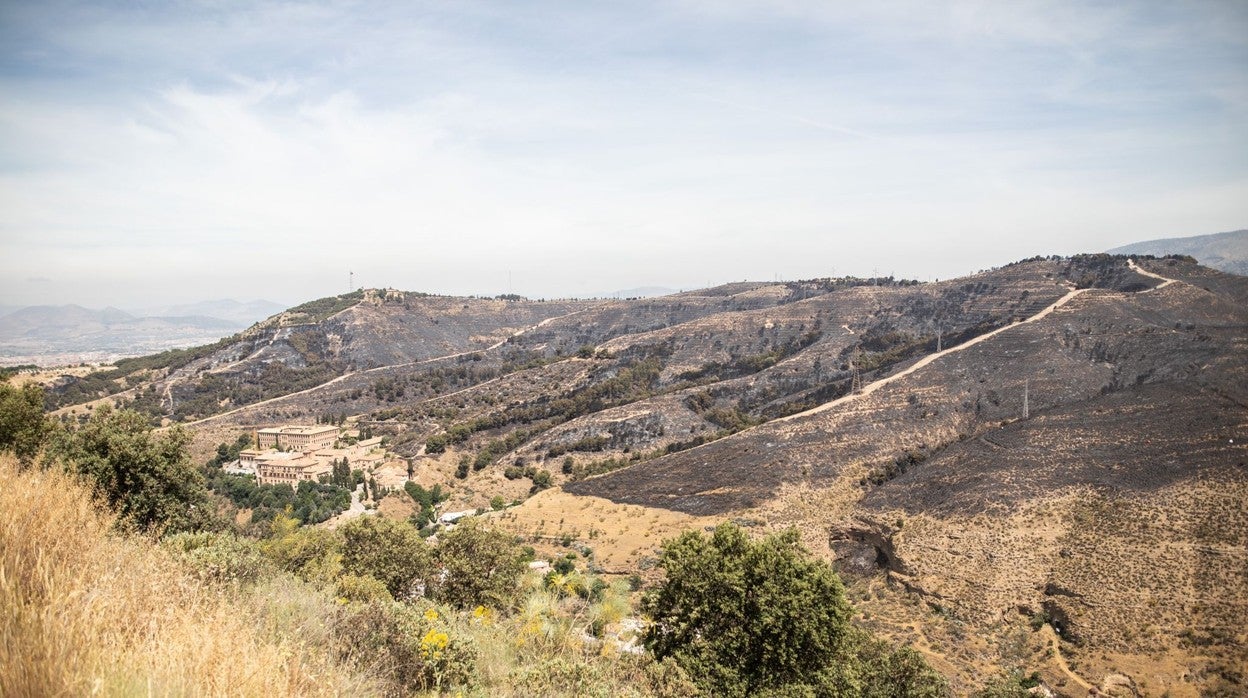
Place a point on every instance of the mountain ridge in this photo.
(49, 333)
(1226, 252)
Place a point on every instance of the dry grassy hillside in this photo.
(86, 611)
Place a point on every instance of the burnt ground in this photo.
(1129, 442)
(1118, 511)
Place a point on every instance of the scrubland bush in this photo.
(390, 551)
(354, 588)
(313, 554)
(476, 566)
(747, 617)
(220, 558)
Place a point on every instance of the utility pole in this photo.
(855, 382)
(1026, 390)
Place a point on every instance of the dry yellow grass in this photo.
(84, 610)
(621, 535)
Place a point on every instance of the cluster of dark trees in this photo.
(636, 380)
(125, 372)
(204, 396)
(322, 308)
(752, 363)
(540, 478)
(310, 502)
(228, 453)
(425, 500)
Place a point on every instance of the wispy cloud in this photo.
(580, 147)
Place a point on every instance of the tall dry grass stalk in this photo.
(84, 610)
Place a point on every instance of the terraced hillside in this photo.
(1054, 445)
(1116, 510)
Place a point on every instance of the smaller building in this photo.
(451, 517)
(247, 458)
(276, 468)
(297, 438)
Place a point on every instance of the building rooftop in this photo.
(299, 429)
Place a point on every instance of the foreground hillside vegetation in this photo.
(116, 578)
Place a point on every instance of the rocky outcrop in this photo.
(865, 548)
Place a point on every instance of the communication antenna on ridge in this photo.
(350, 281)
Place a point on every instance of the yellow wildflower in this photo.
(433, 643)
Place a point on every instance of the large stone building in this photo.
(306, 453)
(274, 468)
(297, 438)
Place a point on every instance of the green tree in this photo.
(311, 553)
(146, 477)
(392, 552)
(877, 670)
(746, 616)
(23, 426)
(477, 565)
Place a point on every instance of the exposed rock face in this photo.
(865, 548)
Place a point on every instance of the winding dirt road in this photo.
(876, 385)
(1164, 280)
(388, 367)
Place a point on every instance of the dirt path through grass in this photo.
(1056, 645)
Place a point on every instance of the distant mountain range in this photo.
(1226, 252)
(52, 334)
(240, 314)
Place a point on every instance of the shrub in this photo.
(477, 566)
(365, 589)
(311, 553)
(390, 551)
(220, 558)
(146, 478)
(896, 673)
(412, 649)
(744, 616)
(763, 617)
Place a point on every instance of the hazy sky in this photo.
(157, 152)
